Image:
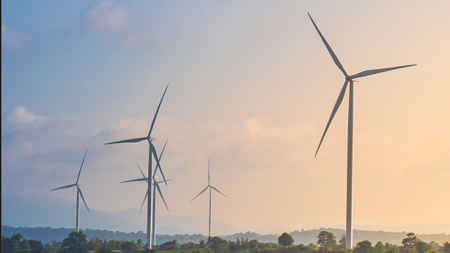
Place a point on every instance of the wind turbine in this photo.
(155, 186)
(348, 79)
(79, 192)
(210, 189)
(152, 150)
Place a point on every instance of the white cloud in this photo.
(12, 41)
(21, 115)
(107, 17)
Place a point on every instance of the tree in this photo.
(24, 244)
(379, 247)
(139, 243)
(434, 246)
(410, 241)
(343, 241)
(253, 244)
(421, 247)
(285, 239)
(130, 247)
(446, 247)
(364, 247)
(8, 245)
(169, 245)
(75, 243)
(326, 239)
(201, 244)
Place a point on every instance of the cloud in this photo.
(106, 17)
(21, 115)
(13, 41)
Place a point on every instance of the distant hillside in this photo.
(306, 237)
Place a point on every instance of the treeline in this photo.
(77, 242)
(46, 235)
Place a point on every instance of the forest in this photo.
(77, 242)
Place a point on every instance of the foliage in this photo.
(130, 247)
(343, 242)
(410, 241)
(364, 247)
(169, 245)
(421, 247)
(326, 239)
(285, 239)
(188, 245)
(253, 244)
(446, 247)
(379, 247)
(75, 243)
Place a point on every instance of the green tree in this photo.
(285, 239)
(446, 247)
(364, 247)
(379, 247)
(434, 246)
(24, 244)
(393, 249)
(253, 244)
(343, 242)
(130, 247)
(139, 243)
(326, 239)
(201, 244)
(75, 243)
(9, 245)
(94, 243)
(421, 247)
(410, 241)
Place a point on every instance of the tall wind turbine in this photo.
(155, 187)
(210, 189)
(78, 193)
(348, 79)
(152, 150)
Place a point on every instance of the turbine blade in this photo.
(143, 175)
(135, 180)
(81, 193)
(128, 141)
(209, 180)
(67, 186)
(333, 55)
(160, 193)
(79, 173)
(200, 193)
(160, 157)
(157, 160)
(214, 188)
(163, 181)
(376, 71)
(143, 202)
(156, 114)
(336, 107)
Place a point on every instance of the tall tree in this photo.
(285, 239)
(75, 243)
(379, 247)
(326, 239)
(446, 247)
(364, 247)
(422, 247)
(410, 241)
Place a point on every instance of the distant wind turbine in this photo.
(213, 188)
(348, 79)
(155, 186)
(78, 192)
(152, 150)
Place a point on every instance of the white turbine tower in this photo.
(210, 189)
(351, 80)
(155, 187)
(152, 150)
(78, 193)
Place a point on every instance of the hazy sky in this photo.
(251, 87)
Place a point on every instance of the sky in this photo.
(251, 86)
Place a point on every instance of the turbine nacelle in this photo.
(350, 79)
